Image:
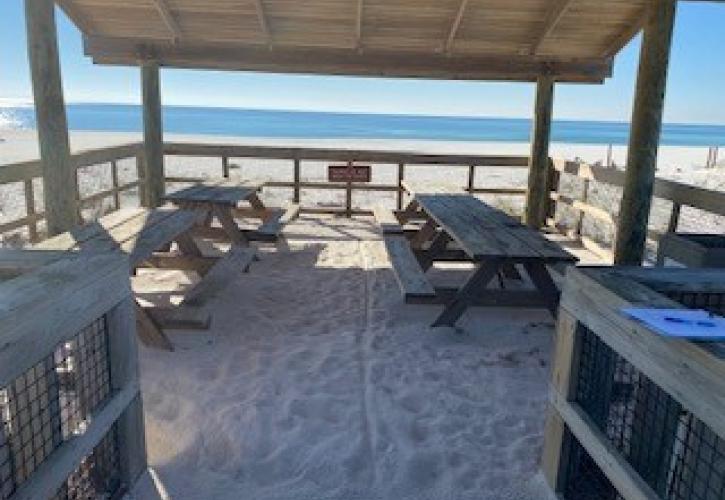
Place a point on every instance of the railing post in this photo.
(553, 179)
(142, 184)
(401, 176)
(30, 210)
(296, 195)
(114, 179)
(225, 167)
(471, 178)
(580, 218)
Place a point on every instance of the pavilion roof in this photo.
(572, 40)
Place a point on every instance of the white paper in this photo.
(681, 323)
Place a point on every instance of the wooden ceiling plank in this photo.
(75, 15)
(168, 17)
(455, 25)
(264, 22)
(359, 25)
(556, 12)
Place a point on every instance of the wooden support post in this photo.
(59, 174)
(296, 196)
(153, 135)
(225, 167)
(471, 178)
(538, 192)
(645, 135)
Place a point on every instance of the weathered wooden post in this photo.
(59, 175)
(645, 135)
(537, 196)
(153, 135)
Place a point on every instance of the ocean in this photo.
(303, 124)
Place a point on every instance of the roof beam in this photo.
(76, 16)
(263, 21)
(553, 17)
(629, 32)
(168, 19)
(359, 24)
(341, 62)
(453, 31)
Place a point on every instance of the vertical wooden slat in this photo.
(401, 177)
(645, 134)
(296, 196)
(580, 216)
(30, 210)
(538, 189)
(471, 178)
(563, 381)
(225, 167)
(59, 175)
(123, 351)
(141, 176)
(153, 135)
(114, 178)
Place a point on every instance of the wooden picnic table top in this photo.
(136, 232)
(224, 193)
(484, 232)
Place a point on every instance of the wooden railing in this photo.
(679, 194)
(28, 171)
(297, 157)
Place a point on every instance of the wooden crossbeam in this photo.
(359, 24)
(455, 25)
(619, 41)
(168, 18)
(263, 21)
(553, 17)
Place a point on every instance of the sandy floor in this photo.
(317, 382)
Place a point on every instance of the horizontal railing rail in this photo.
(678, 193)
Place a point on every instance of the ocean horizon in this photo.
(339, 125)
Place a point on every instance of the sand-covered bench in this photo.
(413, 283)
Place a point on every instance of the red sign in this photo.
(349, 173)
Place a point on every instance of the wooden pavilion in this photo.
(542, 41)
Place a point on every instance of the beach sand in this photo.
(315, 381)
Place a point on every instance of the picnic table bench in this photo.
(146, 236)
(460, 227)
(221, 199)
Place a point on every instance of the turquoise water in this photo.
(296, 124)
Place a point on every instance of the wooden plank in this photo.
(180, 318)
(233, 264)
(51, 474)
(556, 12)
(387, 220)
(59, 176)
(149, 331)
(40, 309)
(14, 263)
(411, 278)
(455, 25)
(169, 19)
(78, 235)
(622, 476)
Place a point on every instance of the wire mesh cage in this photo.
(674, 452)
(53, 402)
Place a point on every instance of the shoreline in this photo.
(21, 145)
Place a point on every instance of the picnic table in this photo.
(146, 236)
(460, 227)
(221, 199)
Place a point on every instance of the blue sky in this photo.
(695, 88)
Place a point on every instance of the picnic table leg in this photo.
(438, 246)
(187, 245)
(409, 211)
(258, 206)
(235, 234)
(424, 235)
(541, 278)
(478, 281)
(149, 331)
